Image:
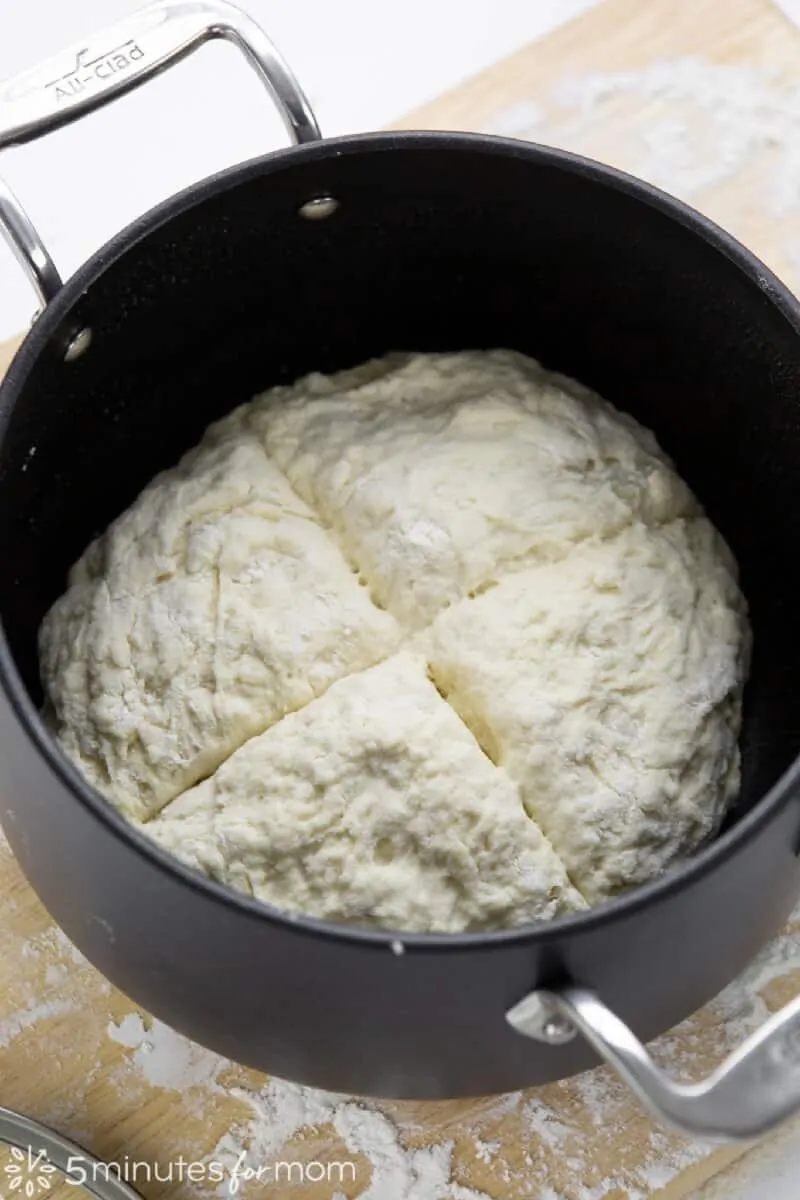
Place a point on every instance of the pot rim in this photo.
(47, 325)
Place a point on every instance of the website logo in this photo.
(28, 1173)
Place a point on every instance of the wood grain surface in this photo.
(61, 1057)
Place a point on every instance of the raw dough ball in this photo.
(577, 610)
(441, 472)
(609, 687)
(207, 611)
(374, 805)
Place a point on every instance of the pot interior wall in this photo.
(436, 245)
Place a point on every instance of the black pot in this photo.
(424, 241)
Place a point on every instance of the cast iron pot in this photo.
(318, 257)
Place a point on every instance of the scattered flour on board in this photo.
(282, 1110)
(52, 996)
(13, 1025)
(486, 1151)
(164, 1058)
(745, 110)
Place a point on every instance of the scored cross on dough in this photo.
(374, 805)
(609, 687)
(440, 472)
(587, 626)
(208, 610)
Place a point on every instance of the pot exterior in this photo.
(439, 242)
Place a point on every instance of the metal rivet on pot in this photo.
(318, 209)
(78, 344)
(536, 1019)
(557, 1031)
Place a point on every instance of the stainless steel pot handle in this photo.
(102, 67)
(754, 1089)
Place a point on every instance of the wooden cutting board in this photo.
(695, 95)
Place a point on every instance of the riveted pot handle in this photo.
(753, 1090)
(108, 64)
